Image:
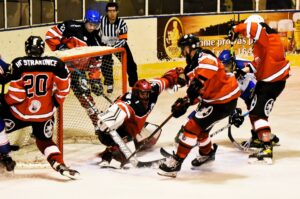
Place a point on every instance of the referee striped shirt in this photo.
(115, 34)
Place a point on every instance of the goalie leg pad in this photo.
(145, 133)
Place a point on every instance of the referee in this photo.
(113, 32)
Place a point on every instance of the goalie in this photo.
(71, 34)
(129, 113)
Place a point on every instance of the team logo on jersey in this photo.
(253, 102)
(172, 33)
(35, 106)
(268, 107)
(9, 124)
(204, 112)
(48, 128)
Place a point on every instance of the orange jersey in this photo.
(218, 87)
(31, 92)
(136, 114)
(269, 64)
(73, 34)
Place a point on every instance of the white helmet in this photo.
(254, 19)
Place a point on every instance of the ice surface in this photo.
(229, 176)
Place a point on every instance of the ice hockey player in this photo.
(271, 70)
(216, 94)
(5, 160)
(129, 113)
(38, 86)
(71, 34)
(247, 84)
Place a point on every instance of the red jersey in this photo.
(73, 34)
(269, 64)
(136, 113)
(218, 88)
(36, 81)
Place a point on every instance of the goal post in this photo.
(83, 53)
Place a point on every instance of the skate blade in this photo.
(268, 161)
(167, 174)
(72, 176)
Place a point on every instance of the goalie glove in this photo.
(112, 119)
(180, 107)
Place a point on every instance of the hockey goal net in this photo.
(74, 122)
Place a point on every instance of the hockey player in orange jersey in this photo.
(271, 70)
(129, 113)
(71, 34)
(216, 94)
(38, 85)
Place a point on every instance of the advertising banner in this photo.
(212, 31)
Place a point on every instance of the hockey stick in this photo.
(123, 147)
(167, 154)
(147, 139)
(82, 76)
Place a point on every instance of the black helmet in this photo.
(189, 40)
(34, 46)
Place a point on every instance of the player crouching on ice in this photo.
(127, 116)
(38, 85)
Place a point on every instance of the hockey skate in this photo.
(64, 170)
(112, 157)
(254, 142)
(264, 155)
(202, 159)
(171, 167)
(7, 162)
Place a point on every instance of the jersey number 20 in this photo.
(35, 85)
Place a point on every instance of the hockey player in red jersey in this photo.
(271, 70)
(38, 85)
(129, 113)
(71, 34)
(216, 94)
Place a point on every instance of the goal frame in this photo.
(60, 111)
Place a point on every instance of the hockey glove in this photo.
(194, 89)
(180, 107)
(237, 118)
(232, 36)
(175, 76)
(55, 102)
(96, 86)
(239, 72)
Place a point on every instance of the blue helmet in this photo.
(4, 67)
(92, 16)
(225, 56)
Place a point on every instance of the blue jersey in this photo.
(247, 82)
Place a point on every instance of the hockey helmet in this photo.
(225, 56)
(34, 46)
(254, 19)
(141, 91)
(92, 16)
(189, 40)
